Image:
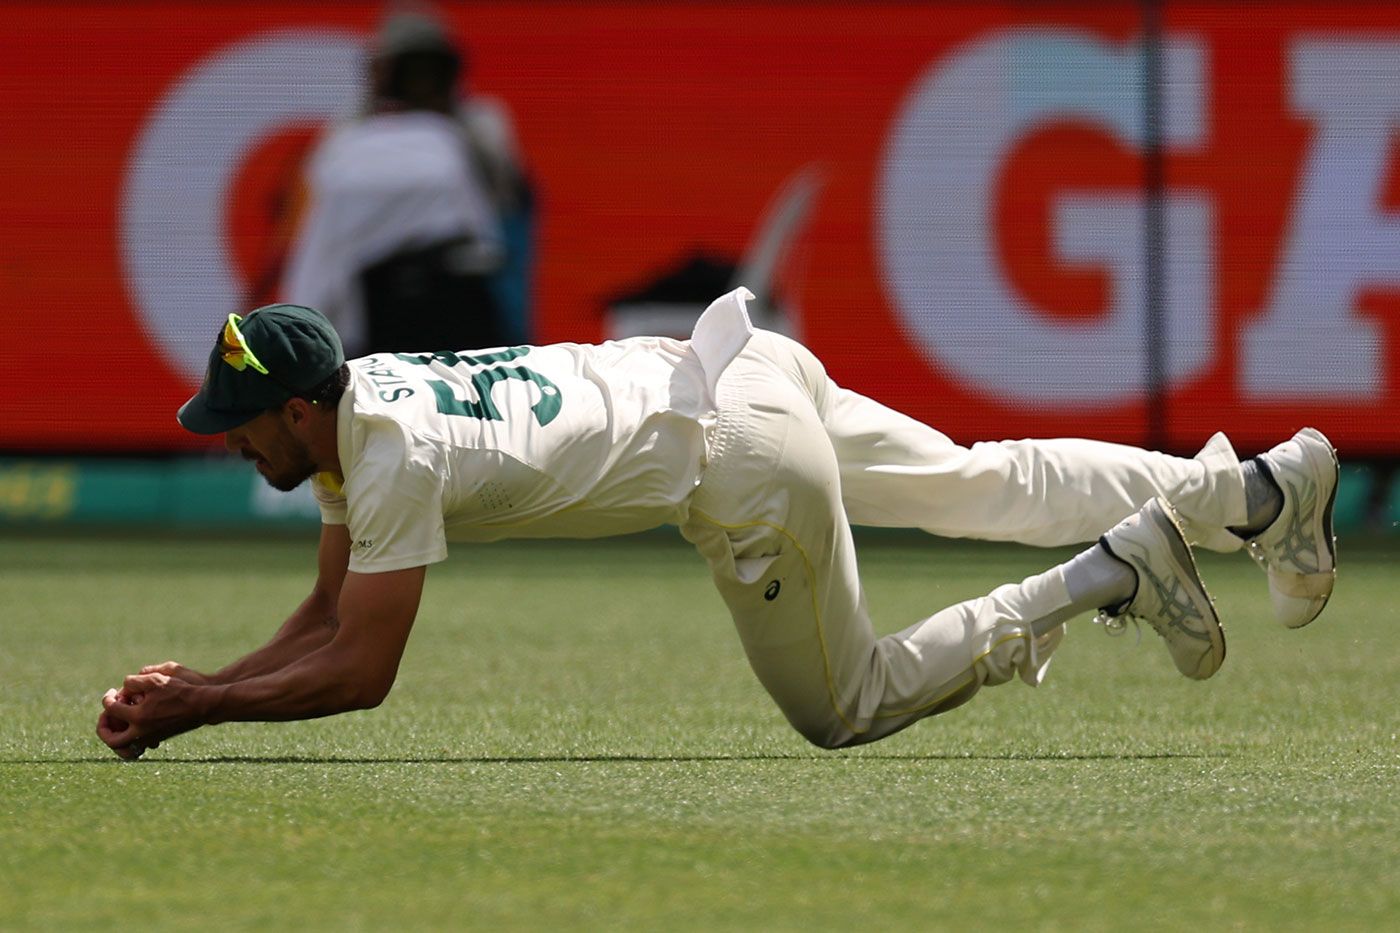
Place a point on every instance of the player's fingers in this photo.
(125, 714)
(121, 737)
(112, 731)
(141, 683)
(164, 667)
(121, 703)
(130, 752)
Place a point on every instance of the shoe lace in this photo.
(1175, 607)
(1116, 624)
(1258, 553)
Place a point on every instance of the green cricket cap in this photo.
(260, 361)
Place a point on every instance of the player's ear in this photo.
(296, 412)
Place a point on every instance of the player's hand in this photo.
(114, 725)
(178, 671)
(149, 709)
(114, 729)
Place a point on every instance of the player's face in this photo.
(278, 455)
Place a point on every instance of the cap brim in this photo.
(196, 416)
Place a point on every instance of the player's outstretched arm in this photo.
(354, 670)
(312, 625)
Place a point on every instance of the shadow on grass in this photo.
(620, 759)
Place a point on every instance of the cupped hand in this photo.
(178, 671)
(114, 727)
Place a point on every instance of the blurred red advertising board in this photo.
(968, 234)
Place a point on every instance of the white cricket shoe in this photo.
(1299, 550)
(1170, 596)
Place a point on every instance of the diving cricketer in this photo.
(739, 438)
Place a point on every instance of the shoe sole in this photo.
(1192, 574)
(1328, 535)
(1217, 629)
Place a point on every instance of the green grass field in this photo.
(576, 741)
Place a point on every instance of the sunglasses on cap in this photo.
(234, 350)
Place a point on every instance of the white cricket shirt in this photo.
(566, 440)
(562, 441)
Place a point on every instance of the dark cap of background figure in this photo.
(409, 30)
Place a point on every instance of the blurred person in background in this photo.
(418, 219)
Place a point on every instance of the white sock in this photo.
(1099, 580)
(1094, 579)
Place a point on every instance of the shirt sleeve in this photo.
(394, 506)
(330, 500)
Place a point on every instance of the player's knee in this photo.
(826, 735)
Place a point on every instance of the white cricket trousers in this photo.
(794, 460)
